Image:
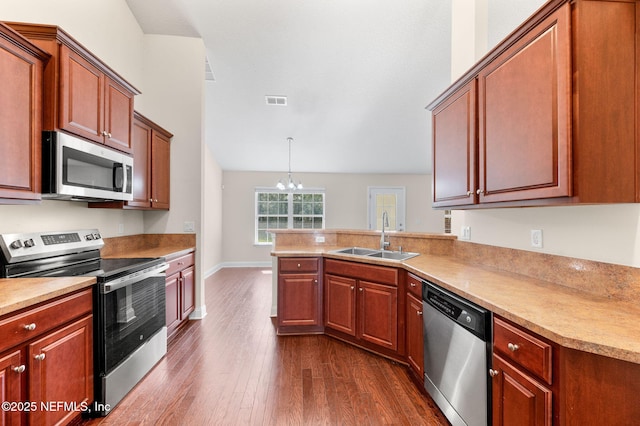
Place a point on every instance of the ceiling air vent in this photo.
(276, 100)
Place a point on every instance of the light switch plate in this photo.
(465, 233)
(189, 227)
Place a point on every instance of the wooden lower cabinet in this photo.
(518, 398)
(361, 305)
(180, 291)
(46, 361)
(299, 296)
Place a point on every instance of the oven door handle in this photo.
(114, 285)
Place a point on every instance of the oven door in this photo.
(130, 312)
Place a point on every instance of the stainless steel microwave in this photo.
(74, 169)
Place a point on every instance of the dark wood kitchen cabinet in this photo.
(151, 149)
(82, 95)
(299, 295)
(522, 376)
(20, 118)
(180, 291)
(414, 327)
(361, 305)
(547, 117)
(46, 356)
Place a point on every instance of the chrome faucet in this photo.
(385, 222)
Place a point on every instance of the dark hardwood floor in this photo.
(232, 369)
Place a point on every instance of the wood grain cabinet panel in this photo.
(454, 149)
(50, 360)
(554, 118)
(361, 306)
(519, 399)
(20, 118)
(180, 292)
(300, 289)
(82, 94)
(414, 336)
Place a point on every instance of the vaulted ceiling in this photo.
(357, 75)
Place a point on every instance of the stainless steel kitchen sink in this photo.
(357, 251)
(382, 254)
(394, 255)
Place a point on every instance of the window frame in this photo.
(290, 209)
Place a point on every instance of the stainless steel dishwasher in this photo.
(457, 352)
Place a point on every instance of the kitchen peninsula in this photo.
(578, 308)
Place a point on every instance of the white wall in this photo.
(607, 233)
(345, 202)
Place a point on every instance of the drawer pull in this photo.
(40, 357)
(19, 369)
(493, 373)
(513, 347)
(30, 327)
(412, 284)
(299, 265)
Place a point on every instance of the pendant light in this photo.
(289, 184)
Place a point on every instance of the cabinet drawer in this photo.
(523, 348)
(363, 271)
(18, 328)
(179, 263)
(298, 264)
(414, 286)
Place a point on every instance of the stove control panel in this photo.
(37, 245)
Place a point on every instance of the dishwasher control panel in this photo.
(468, 315)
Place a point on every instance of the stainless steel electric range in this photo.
(130, 335)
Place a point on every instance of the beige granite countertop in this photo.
(19, 293)
(570, 317)
(149, 245)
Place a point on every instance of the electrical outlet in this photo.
(319, 238)
(465, 233)
(189, 227)
(536, 238)
(120, 228)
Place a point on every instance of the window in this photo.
(287, 210)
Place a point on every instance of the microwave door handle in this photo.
(118, 177)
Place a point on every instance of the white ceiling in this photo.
(357, 74)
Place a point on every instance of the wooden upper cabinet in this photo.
(160, 170)
(555, 120)
(20, 117)
(524, 116)
(141, 147)
(82, 95)
(454, 149)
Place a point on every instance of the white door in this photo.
(391, 200)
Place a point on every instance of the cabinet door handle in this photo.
(469, 193)
(513, 347)
(479, 191)
(419, 313)
(315, 281)
(361, 289)
(40, 357)
(299, 265)
(30, 327)
(352, 287)
(412, 284)
(109, 134)
(493, 373)
(19, 369)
